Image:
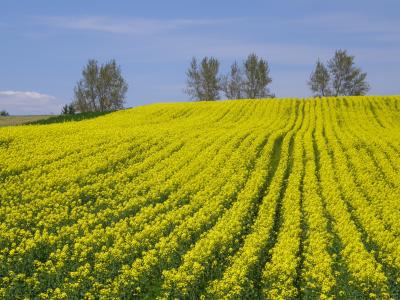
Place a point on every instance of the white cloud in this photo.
(28, 103)
(133, 26)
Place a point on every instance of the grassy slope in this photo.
(68, 118)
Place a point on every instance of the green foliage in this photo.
(346, 78)
(68, 109)
(233, 83)
(249, 81)
(4, 113)
(319, 80)
(256, 72)
(71, 109)
(64, 110)
(102, 88)
(339, 78)
(203, 81)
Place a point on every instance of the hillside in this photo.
(270, 199)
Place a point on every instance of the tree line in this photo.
(103, 88)
(249, 80)
(339, 77)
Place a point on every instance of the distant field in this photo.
(48, 119)
(245, 199)
(18, 120)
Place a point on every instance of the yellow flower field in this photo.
(245, 199)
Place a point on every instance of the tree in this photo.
(256, 72)
(346, 78)
(232, 84)
(86, 89)
(68, 109)
(65, 110)
(4, 113)
(319, 80)
(102, 88)
(203, 82)
(71, 109)
(340, 78)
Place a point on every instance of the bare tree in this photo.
(102, 88)
(256, 72)
(319, 80)
(203, 82)
(232, 84)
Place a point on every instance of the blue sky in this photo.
(45, 44)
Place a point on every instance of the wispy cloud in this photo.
(351, 23)
(132, 26)
(28, 102)
(334, 22)
(229, 49)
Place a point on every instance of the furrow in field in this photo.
(317, 275)
(366, 273)
(376, 236)
(379, 147)
(380, 193)
(280, 274)
(241, 277)
(384, 112)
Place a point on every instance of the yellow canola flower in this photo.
(246, 199)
